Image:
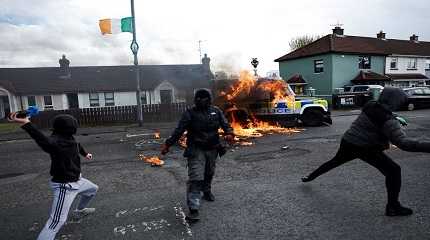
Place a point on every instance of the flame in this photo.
(247, 90)
(157, 135)
(244, 85)
(258, 128)
(183, 140)
(278, 89)
(154, 160)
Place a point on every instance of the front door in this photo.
(4, 107)
(72, 98)
(166, 96)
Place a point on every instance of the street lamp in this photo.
(255, 63)
(134, 48)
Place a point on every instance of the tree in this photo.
(302, 41)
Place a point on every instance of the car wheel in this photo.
(411, 106)
(312, 117)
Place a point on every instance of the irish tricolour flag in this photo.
(113, 25)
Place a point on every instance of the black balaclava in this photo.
(65, 124)
(393, 98)
(202, 99)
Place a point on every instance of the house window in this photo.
(109, 99)
(318, 66)
(393, 64)
(412, 63)
(94, 100)
(48, 102)
(143, 99)
(364, 62)
(31, 100)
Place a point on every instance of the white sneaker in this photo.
(84, 212)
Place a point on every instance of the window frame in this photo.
(362, 64)
(320, 68)
(396, 61)
(412, 60)
(48, 106)
(143, 98)
(92, 100)
(28, 100)
(109, 102)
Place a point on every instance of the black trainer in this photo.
(307, 178)
(397, 210)
(208, 196)
(193, 215)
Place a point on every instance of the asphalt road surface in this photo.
(258, 190)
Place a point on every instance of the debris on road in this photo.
(155, 161)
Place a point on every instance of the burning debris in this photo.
(154, 160)
(183, 140)
(251, 92)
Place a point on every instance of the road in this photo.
(258, 190)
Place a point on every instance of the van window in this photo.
(426, 91)
(360, 89)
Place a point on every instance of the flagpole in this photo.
(134, 48)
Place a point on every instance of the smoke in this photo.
(227, 63)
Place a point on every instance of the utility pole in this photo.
(135, 48)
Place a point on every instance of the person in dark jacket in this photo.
(367, 138)
(66, 182)
(202, 123)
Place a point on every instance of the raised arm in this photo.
(44, 142)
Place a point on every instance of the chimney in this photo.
(206, 62)
(64, 67)
(338, 31)
(380, 35)
(414, 38)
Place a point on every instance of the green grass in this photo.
(9, 127)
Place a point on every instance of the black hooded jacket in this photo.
(62, 147)
(377, 126)
(202, 127)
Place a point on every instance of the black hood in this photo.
(393, 98)
(202, 98)
(65, 124)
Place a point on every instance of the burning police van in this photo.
(249, 100)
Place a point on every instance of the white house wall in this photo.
(402, 65)
(59, 101)
(166, 85)
(125, 98)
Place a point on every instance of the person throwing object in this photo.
(367, 138)
(66, 182)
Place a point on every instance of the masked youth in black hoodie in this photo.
(66, 182)
(367, 138)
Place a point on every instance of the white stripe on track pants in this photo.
(64, 194)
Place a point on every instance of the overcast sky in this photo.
(36, 33)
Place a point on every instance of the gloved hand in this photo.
(402, 121)
(229, 138)
(164, 149)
